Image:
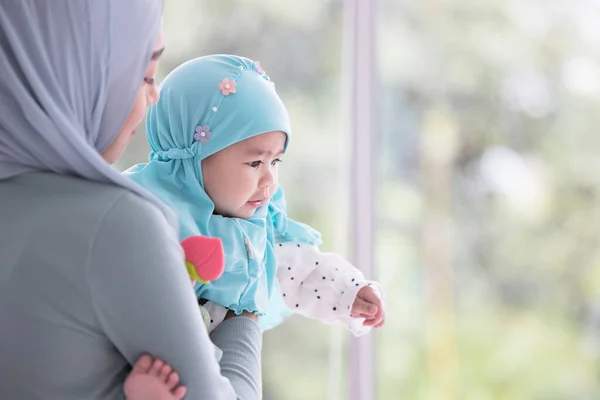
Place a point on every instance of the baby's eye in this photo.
(254, 164)
(149, 81)
(277, 160)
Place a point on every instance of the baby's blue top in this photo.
(194, 119)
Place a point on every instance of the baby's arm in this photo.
(322, 286)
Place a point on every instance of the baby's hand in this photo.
(368, 305)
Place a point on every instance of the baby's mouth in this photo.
(256, 203)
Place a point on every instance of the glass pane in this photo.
(298, 45)
(488, 237)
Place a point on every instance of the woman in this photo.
(91, 272)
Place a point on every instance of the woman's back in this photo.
(50, 329)
(92, 277)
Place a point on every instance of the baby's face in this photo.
(242, 177)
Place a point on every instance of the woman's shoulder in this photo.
(68, 222)
(75, 201)
(124, 212)
(125, 228)
(130, 213)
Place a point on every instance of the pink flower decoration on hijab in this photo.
(202, 134)
(227, 87)
(258, 68)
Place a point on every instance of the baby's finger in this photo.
(373, 298)
(382, 322)
(375, 321)
(368, 293)
(379, 314)
(362, 307)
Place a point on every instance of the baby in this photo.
(217, 135)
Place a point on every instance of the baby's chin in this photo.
(244, 212)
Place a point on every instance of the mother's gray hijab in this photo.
(69, 74)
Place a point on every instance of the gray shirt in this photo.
(91, 278)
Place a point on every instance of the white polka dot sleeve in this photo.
(321, 286)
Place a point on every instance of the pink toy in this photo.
(204, 258)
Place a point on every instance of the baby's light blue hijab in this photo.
(190, 103)
(69, 73)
